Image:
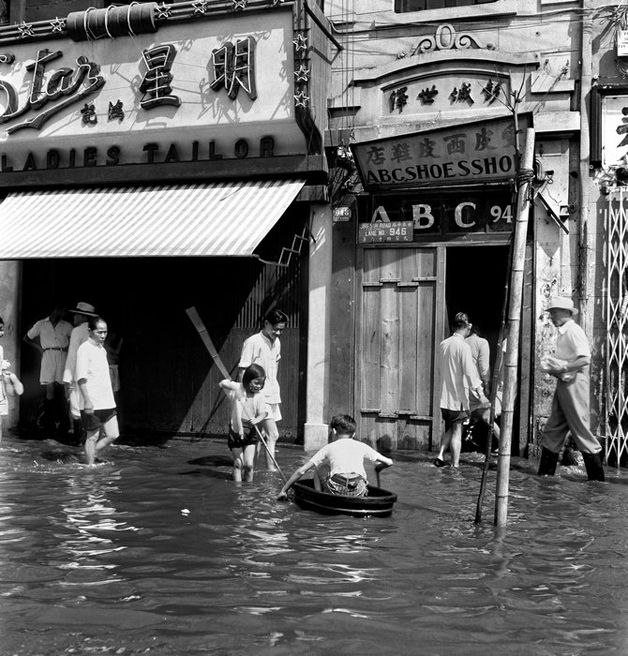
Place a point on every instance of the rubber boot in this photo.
(593, 464)
(548, 462)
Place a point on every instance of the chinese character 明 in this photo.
(491, 91)
(400, 152)
(427, 95)
(398, 99)
(115, 111)
(234, 67)
(456, 143)
(88, 115)
(426, 148)
(156, 85)
(462, 94)
(375, 155)
(483, 139)
(623, 128)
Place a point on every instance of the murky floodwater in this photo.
(157, 552)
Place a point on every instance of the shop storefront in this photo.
(155, 157)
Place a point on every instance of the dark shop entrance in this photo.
(169, 384)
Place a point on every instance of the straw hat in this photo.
(84, 308)
(561, 303)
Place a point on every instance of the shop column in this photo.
(10, 283)
(316, 429)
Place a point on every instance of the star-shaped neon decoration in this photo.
(25, 29)
(238, 5)
(57, 24)
(301, 99)
(300, 43)
(200, 6)
(302, 75)
(164, 11)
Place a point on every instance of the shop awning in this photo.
(222, 218)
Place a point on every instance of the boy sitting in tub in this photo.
(344, 457)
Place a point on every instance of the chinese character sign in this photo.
(234, 68)
(472, 152)
(156, 85)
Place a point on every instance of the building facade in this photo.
(432, 98)
(156, 157)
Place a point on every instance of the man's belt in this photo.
(55, 348)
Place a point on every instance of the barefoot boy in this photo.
(344, 457)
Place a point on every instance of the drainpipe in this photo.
(586, 232)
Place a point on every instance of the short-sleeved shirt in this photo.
(572, 342)
(481, 354)
(54, 340)
(92, 366)
(243, 407)
(458, 373)
(57, 336)
(258, 349)
(345, 456)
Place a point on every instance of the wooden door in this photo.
(402, 298)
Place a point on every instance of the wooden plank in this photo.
(440, 328)
(369, 362)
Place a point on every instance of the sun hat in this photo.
(561, 303)
(84, 308)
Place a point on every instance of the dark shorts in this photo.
(451, 417)
(236, 441)
(97, 420)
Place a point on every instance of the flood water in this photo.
(156, 551)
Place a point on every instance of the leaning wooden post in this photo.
(514, 320)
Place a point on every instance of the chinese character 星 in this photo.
(156, 85)
(234, 67)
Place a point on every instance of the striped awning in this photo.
(222, 218)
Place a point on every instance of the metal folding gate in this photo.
(616, 351)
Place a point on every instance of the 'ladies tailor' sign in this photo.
(472, 152)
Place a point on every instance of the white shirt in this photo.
(345, 456)
(572, 342)
(93, 368)
(481, 354)
(243, 407)
(458, 373)
(79, 335)
(51, 336)
(258, 349)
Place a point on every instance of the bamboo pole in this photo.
(514, 321)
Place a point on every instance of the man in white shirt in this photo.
(98, 406)
(458, 374)
(570, 405)
(264, 349)
(51, 336)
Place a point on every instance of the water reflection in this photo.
(105, 561)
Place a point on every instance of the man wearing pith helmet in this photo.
(570, 406)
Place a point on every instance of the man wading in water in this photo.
(570, 406)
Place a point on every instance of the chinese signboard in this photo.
(469, 153)
(444, 215)
(384, 231)
(188, 93)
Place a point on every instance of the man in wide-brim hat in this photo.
(570, 406)
(80, 333)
